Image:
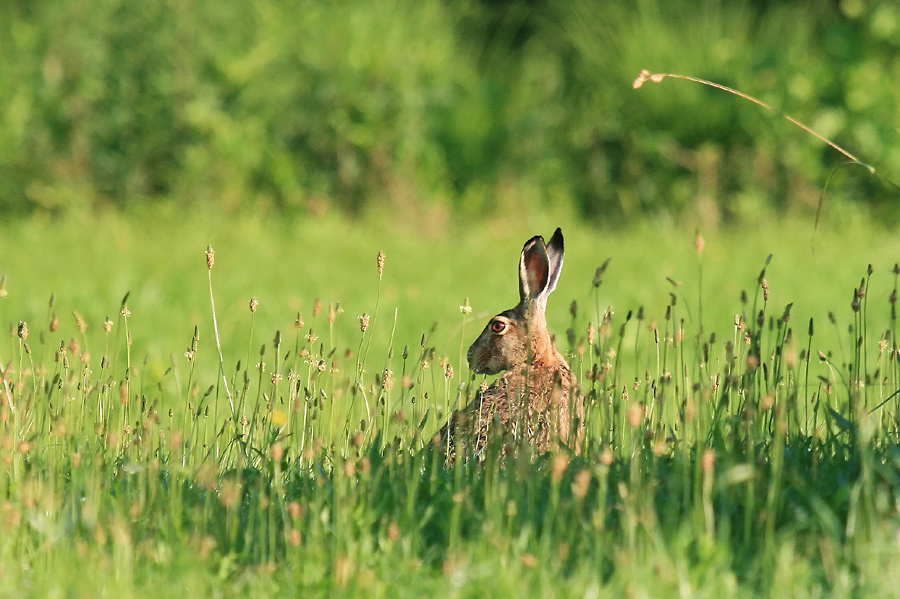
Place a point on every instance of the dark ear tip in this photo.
(557, 239)
(533, 241)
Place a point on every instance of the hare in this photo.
(536, 400)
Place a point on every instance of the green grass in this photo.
(744, 466)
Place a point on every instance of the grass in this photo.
(760, 462)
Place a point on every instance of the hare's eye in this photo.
(498, 326)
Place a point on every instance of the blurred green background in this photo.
(463, 108)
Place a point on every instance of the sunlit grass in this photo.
(734, 447)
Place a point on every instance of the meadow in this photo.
(244, 247)
(741, 384)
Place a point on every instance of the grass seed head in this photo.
(708, 461)
(581, 484)
(607, 457)
(210, 257)
(254, 304)
(207, 546)
(80, 322)
(393, 531)
(295, 537)
(661, 447)
(786, 317)
(642, 78)
(790, 356)
(343, 570)
(12, 516)
(206, 476)
(380, 262)
(363, 322)
(560, 464)
(22, 330)
(635, 415)
(277, 452)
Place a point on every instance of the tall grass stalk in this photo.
(210, 262)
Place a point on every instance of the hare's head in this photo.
(519, 335)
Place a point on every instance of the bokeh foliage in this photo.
(473, 106)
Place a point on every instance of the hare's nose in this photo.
(469, 355)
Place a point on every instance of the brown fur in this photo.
(537, 401)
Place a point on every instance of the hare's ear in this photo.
(555, 252)
(534, 269)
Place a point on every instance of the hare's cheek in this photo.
(500, 360)
(478, 359)
(483, 360)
